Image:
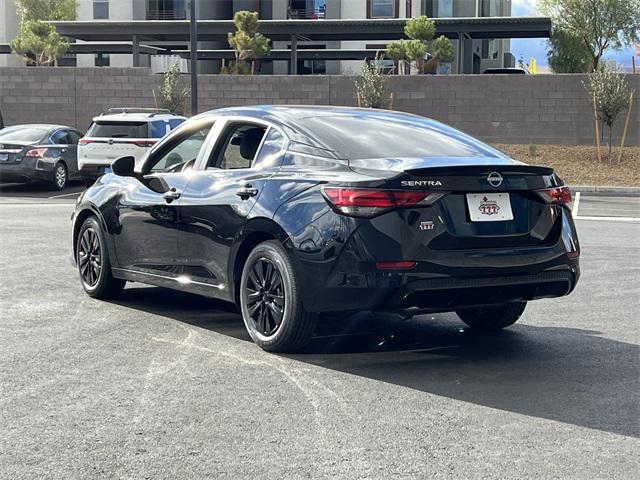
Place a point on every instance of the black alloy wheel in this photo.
(270, 300)
(92, 259)
(265, 296)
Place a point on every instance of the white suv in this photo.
(122, 132)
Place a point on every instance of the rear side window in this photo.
(60, 138)
(159, 128)
(174, 122)
(119, 130)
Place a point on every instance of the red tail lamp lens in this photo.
(368, 202)
(395, 265)
(558, 195)
(85, 141)
(36, 153)
(144, 143)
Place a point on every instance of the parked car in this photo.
(39, 153)
(505, 71)
(122, 132)
(292, 211)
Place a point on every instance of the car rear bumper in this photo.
(93, 171)
(28, 170)
(343, 275)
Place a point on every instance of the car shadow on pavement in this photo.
(568, 375)
(38, 190)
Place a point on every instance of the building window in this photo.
(491, 8)
(382, 8)
(441, 9)
(101, 9)
(102, 60)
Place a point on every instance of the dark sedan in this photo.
(39, 153)
(294, 211)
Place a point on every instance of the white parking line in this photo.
(576, 204)
(611, 219)
(65, 195)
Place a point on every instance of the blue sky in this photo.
(537, 49)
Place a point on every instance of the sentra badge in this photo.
(421, 183)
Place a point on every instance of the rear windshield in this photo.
(356, 137)
(25, 134)
(119, 130)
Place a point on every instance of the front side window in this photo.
(185, 150)
(382, 8)
(100, 9)
(239, 147)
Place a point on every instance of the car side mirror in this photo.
(123, 167)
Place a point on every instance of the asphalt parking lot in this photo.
(160, 384)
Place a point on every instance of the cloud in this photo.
(524, 8)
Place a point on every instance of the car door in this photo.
(221, 194)
(147, 208)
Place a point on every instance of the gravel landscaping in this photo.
(578, 165)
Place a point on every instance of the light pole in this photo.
(193, 48)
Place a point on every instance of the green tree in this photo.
(599, 24)
(421, 30)
(611, 94)
(246, 41)
(567, 53)
(397, 51)
(172, 94)
(38, 42)
(46, 9)
(372, 85)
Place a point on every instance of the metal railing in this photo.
(304, 14)
(166, 15)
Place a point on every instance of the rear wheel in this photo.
(270, 301)
(59, 177)
(493, 317)
(92, 259)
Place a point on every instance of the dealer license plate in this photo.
(489, 207)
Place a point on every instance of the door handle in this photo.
(171, 195)
(247, 191)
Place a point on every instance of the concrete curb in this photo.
(604, 190)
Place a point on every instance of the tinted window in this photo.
(382, 136)
(182, 152)
(158, 129)
(271, 147)
(174, 122)
(74, 136)
(22, 134)
(241, 143)
(60, 138)
(119, 130)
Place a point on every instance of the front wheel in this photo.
(94, 265)
(270, 301)
(494, 317)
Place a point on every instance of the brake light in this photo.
(144, 143)
(368, 202)
(85, 141)
(557, 195)
(395, 265)
(36, 153)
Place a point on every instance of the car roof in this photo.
(135, 117)
(44, 126)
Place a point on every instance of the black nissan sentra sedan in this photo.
(293, 211)
(39, 153)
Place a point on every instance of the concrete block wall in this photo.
(541, 109)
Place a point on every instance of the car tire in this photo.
(93, 262)
(492, 318)
(271, 303)
(59, 177)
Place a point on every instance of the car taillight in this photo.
(369, 202)
(144, 143)
(85, 141)
(557, 195)
(36, 153)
